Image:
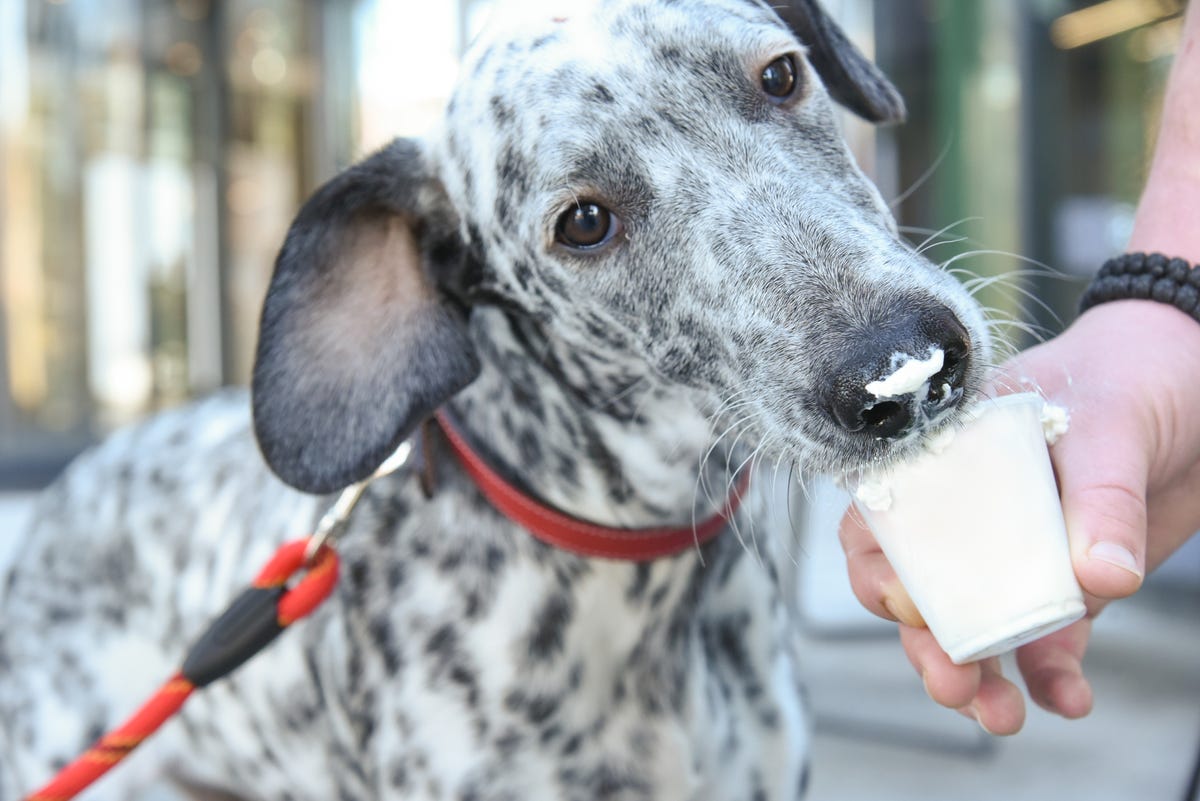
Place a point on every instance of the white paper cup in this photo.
(974, 529)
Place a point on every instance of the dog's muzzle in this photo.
(900, 377)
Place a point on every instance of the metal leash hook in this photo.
(333, 522)
(300, 576)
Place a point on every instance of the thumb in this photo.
(1104, 503)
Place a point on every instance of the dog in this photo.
(636, 257)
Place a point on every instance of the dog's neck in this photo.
(625, 451)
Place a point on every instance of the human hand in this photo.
(1129, 476)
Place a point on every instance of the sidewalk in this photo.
(879, 738)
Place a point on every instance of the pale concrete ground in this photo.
(880, 739)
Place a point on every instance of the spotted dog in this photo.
(635, 255)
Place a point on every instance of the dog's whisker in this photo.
(702, 485)
(926, 248)
(932, 236)
(1023, 294)
(1001, 321)
(637, 383)
(925, 176)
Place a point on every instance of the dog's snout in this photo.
(946, 386)
(859, 412)
(898, 377)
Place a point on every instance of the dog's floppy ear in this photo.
(849, 76)
(357, 343)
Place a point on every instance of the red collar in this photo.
(579, 536)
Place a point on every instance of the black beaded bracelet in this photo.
(1146, 276)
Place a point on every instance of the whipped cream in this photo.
(911, 375)
(1055, 422)
(875, 494)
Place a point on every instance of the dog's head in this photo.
(662, 185)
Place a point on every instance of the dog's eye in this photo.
(587, 225)
(779, 78)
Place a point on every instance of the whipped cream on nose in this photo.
(911, 375)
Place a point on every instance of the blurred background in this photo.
(153, 152)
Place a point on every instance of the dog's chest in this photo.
(491, 667)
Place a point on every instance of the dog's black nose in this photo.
(900, 375)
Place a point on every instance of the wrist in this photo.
(1166, 215)
(1149, 353)
(1172, 282)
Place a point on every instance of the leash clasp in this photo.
(333, 522)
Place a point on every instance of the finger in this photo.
(872, 578)
(1104, 503)
(1053, 671)
(998, 706)
(979, 690)
(950, 685)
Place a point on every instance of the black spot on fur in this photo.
(451, 562)
(606, 781)
(472, 606)
(514, 172)
(537, 709)
(549, 628)
(669, 54)
(649, 127)
(502, 112)
(494, 559)
(396, 573)
(359, 574)
(679, 125)
(568, 471)
(468, 680)
(541, 708)
(509, 742)
(384, 639)
(531, 449)
(523, 273)
(600, 94)
(503, 210)
(526, 396)
(641, 579)
(442, 642)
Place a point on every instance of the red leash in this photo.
(253, 620)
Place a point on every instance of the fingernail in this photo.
(1115, 554)
(899, 605)
(974, 712)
